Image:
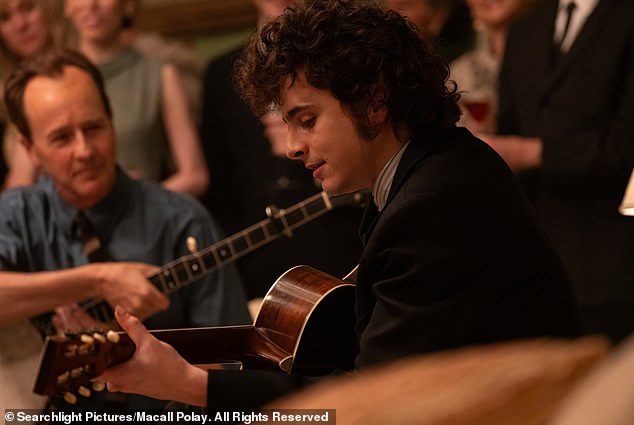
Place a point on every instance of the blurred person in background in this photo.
(476, 71)
(27, 27)
(566, 127)
(156, 134)
(445, 25)
(189, 64)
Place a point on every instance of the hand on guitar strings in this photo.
(156, 369)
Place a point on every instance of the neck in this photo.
(100, 52)
(387, 144)
(496, 41)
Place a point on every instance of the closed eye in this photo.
(61, 137)
(308, 123)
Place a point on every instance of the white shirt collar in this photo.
(384, 182)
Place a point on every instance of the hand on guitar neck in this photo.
(122, 284)
(27, 294)
(176, 379)
(126, 284)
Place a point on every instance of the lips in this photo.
(90, 21)
(315, 165)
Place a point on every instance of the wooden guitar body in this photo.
(310, 315)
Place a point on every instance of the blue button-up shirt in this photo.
(138, 221)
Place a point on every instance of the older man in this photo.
(59, 106)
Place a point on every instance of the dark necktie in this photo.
(570, 8)
(368, 220)
(85, 232)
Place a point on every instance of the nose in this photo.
(295, 149)
(19, 20)
(83, 147)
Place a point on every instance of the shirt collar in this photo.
(103, 216)
(583, 10)
(383, 183)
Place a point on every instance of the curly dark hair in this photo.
(358, 51)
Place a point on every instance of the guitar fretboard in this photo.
(189, 268)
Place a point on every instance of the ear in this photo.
(378, 112)
(30, 150)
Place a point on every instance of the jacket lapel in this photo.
(594, 23)
(414, 152)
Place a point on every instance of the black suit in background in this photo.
(455, 258)
(582, 106)
(246, 178)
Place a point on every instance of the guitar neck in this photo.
(190, 268)
(77, 363)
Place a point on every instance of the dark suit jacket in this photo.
(455, 258)
(582, 106)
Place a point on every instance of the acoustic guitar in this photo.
(305, 325)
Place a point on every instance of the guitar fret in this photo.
(216, 256)
(314, 207)
(232, 249)
(209, 259)
(292, 218)
(161, 281)
(249, 243)
(169, 279)
(271, 230)
(258, 235)
(240, 244)
(180, 273)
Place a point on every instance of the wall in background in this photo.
(210, 26)
(196, 17)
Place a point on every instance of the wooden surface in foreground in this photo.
(515, 383)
